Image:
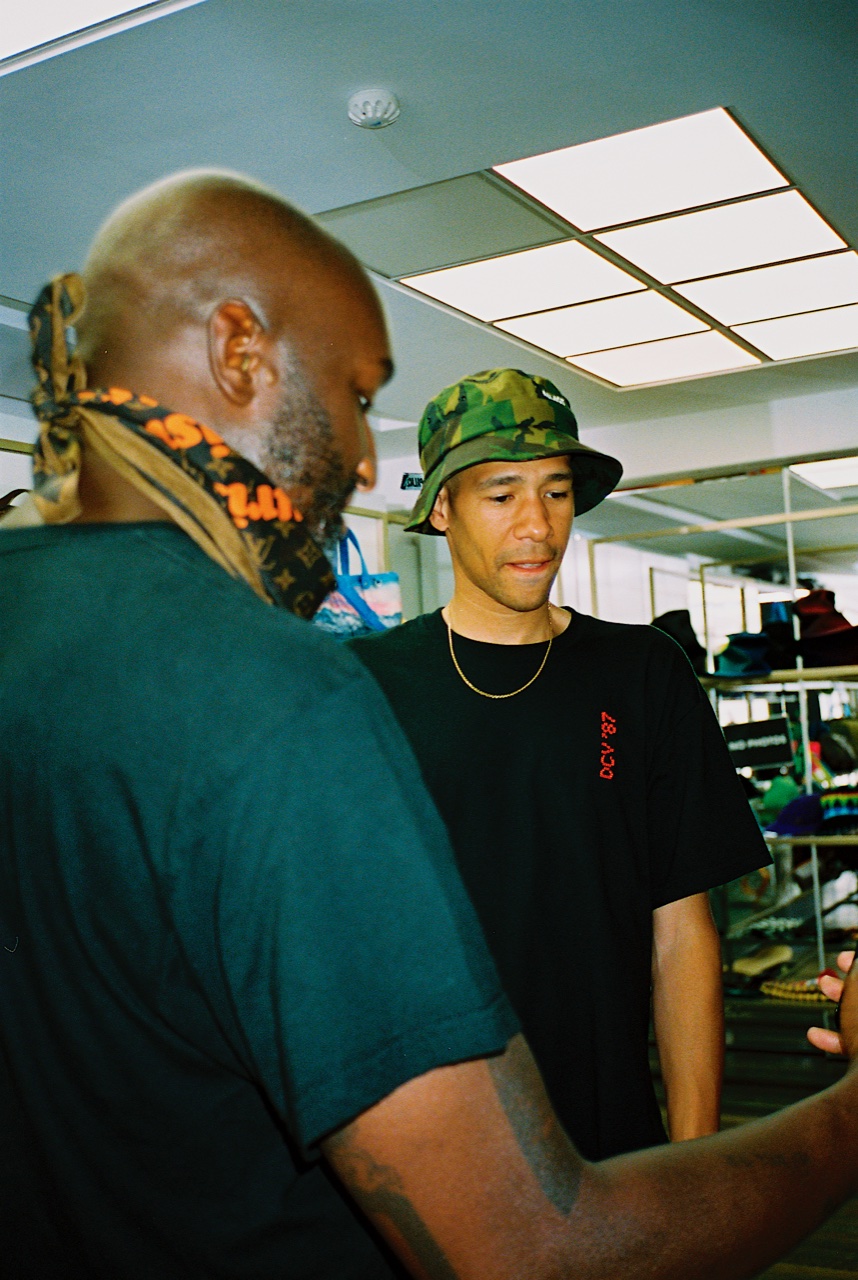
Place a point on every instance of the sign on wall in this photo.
(762, 742)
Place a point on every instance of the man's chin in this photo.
(325, 520)
(326, 530)
(525, 596)
(522, 601)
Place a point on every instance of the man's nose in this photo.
(533, 522)
(366, 470)
(366, 473)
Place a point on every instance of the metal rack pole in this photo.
(707, 639)
(591, 562)
(803, 717)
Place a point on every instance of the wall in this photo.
(774, 431)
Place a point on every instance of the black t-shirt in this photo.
(229, 920)
(575, 809)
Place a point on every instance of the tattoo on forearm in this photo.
(379, 1191)
(542, 1142)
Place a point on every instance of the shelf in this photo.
(830, 842)
(822, 676)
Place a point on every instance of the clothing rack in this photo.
(799, 679)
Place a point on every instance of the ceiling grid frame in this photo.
(588, 239)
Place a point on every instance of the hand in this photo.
(846, 1042)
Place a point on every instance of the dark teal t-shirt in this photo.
(576, 808)
(229, 919)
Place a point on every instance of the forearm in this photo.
(689, 1031)
(491, 1189)
(725, 1207)
(688, 1016)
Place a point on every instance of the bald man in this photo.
(236, 955)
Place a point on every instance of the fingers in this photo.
(831, 987)
(848, 1007)
(827, 1041)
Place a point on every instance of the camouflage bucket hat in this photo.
(504, 415)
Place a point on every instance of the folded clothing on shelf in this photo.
(745, 655)
(801, 817)
(847, 728)
(782, 788)
(839, 811)
(836, 748)
(827, 638)
(676, 623)
(777, 622)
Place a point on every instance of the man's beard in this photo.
(300, 454)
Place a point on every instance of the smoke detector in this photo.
(373, 108)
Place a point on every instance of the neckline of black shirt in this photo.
(503, 656)
(501, 669)
(490, 647)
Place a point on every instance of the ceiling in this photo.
(662, 520)
(262, 87)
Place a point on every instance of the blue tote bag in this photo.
(362, 602)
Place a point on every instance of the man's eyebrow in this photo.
(387, 365)
(515, 477)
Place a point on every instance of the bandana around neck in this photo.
(229, 508)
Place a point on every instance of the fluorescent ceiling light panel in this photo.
(70, 23)
(613, 322)
(808, 335)
(534, 280)
(697, 160)
(666, 361)
(28, 25)
(834, 473)
(809, 285)
(749, 234)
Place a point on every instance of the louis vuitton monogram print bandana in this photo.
(235, 514)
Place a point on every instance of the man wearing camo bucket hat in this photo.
(579, 769)
(504, 416)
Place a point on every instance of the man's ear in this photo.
(238, 351)
(439, 516)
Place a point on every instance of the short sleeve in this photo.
(345, 955)
(701, 830)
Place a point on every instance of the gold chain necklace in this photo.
(497, 697)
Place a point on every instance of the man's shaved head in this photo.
(221, 300)
(170, 252)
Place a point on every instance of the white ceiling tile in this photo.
(666, 361)
(808, 285)
(613, 322)
(679, 164)
(748, 234)
(533, 280)
(805, 335)
(27, 26)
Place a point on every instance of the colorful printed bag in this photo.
(362, 602)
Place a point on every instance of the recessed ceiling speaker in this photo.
(373, 108)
